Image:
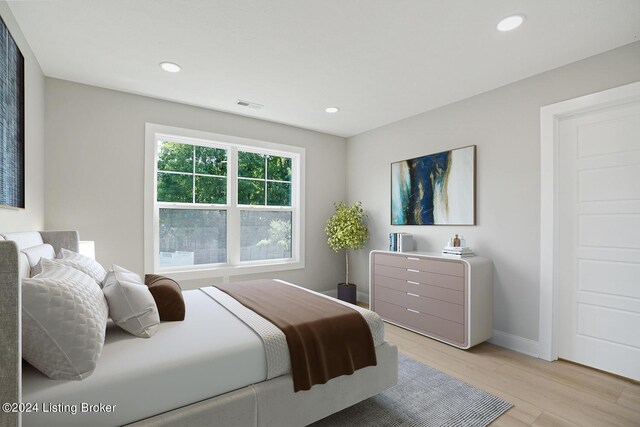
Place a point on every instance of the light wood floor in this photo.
(543, 393)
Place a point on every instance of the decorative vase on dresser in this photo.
(448, 298)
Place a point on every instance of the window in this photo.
(220, 205)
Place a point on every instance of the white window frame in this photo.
(155, 133)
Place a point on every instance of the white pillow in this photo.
(64, 317)
(131, 305)
(85, 264)
(34, 253)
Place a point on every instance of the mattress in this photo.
(211, 352)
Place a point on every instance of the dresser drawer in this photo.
(433, 307)
(451, 268)
(437, 292)
(431, 325)
(423, 277)
(431, 294)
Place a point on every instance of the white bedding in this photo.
(210, 353)
(273, 339)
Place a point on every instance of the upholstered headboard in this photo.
(14, 266)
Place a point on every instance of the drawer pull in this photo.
(412, 282)
(412, 270)
(413, 311)
(413, 295)
(413, 258)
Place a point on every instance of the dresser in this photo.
(447, 298)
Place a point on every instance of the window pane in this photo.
(175, 188)
(211, 161)
(250, 165)
(250, 192)
(192, 237)
(278, 194)
(211, 190)
(279, 168)
(175, 157)
(265, 235)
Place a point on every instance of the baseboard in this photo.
(516, 343)
(361, 296)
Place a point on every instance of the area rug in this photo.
(423, 397)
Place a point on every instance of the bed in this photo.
(212, 375)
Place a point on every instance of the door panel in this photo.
(603, 323)
(610, 230)
(599, 239)
(620, 133)
(598, 185)
(609, 277)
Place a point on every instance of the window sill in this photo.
(227, 270)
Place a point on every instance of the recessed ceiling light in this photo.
(332, 110)
(510, 22)
(170, 67)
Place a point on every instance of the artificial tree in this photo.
(346, 230)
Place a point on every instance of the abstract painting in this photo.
(436, 189)
(11, 121)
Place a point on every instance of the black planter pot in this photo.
(347, 293)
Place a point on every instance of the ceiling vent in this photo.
(249, 104)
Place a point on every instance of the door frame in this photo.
(550, 115)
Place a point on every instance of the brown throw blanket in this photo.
(325, 338)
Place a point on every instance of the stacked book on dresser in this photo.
(461, 251)
(401, 242)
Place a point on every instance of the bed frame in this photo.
(269, 403)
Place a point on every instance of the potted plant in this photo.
(346, 230)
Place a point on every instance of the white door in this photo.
(599, 239)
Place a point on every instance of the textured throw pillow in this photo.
(85, 264)
(168, 296)
(131, 305)
(64, 317)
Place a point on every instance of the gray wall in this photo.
(505, 125)
(32, 217)
(95, 172)
(95, 150)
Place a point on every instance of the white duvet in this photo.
(210, 353)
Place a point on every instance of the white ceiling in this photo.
(378, 60)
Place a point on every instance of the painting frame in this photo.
(435, 189)
(12, 121)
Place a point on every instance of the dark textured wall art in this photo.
(436, 189)
(11, 121)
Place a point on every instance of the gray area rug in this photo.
(423, 397)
